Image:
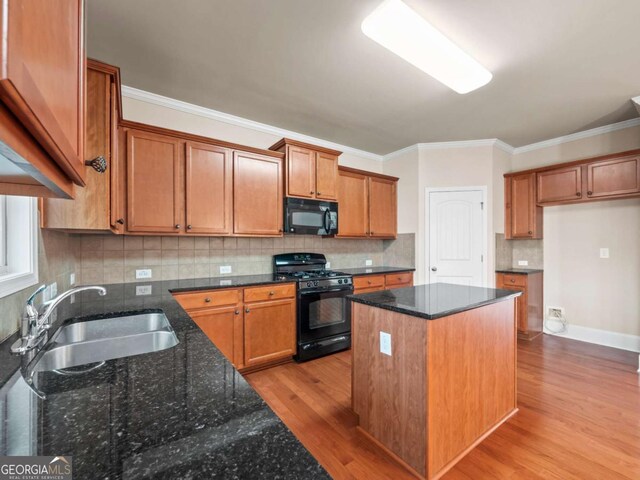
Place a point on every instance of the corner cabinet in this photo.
(310, 171)
(95, 207)
(523, 217)
(42, 89)
(367, 204)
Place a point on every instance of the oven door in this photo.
(310, 217)
(323, 314)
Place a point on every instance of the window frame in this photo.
(20, 237)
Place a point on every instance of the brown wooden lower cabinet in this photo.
(254, 327)
(375, 283)
(529, 305)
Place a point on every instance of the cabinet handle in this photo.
(189, 227)
(247, 310)
(589, 192)
(530, 232)
(207, 300)
(120, 221)
(178, 225)
(513, 280)
(578, 194)
(237, 312)
(318, 193)
(369, 282)
(311, 192)
(271, 293)
(99, 164)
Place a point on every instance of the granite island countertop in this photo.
(435, 300)
(183, 412)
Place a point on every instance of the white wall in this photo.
(596, 293)
(162, 116)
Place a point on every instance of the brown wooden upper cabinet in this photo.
(559, 185)
(257, 194)
(310, 171)
(154, 183)
(41, 91)
(209, 189)
(367, 204)
(95, 207)
(523, 218)
(610, 178)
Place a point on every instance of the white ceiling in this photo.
(559, 66)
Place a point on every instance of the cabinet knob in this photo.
(369, 282)
(311, 192)
(237, 312)
(318, 193)
(120, 221)
(530, 232)
(207, 300)
(434, 269)
(247, 310)
(371, 233)
(99, 164)
(272, 293)
(589, 192)
(178, 225)
(578, 194)
(189, 227)
(513, 280)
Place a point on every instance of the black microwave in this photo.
(310, 217)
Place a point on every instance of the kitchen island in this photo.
(434, 370)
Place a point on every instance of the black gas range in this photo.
(324, 314)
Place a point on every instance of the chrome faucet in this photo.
(35, 321)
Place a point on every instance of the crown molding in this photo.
(636, 101)
(552, 142)
(172, 103)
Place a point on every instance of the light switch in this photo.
(225, 269)
(604, 253)
(385, 343)
(523, 263)
(368, 263)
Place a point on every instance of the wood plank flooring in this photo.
(579, 417)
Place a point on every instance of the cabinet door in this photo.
(91, 207)
(561, 185)
(257, 194)
(42, 75)
(301, 168)
(620, 176)
(326, 176)
(523, 217)
(209, 180)
(269, 331)
(382, 208)
(154, 187)
(224, 327)
(353, 205)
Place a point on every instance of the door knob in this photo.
(434, 269)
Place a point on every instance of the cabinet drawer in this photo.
(368, 281)
(270, 292)
(398, 279)
(359, 291)
(210, 298)
(510, 280)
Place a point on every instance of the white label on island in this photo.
(385, 343)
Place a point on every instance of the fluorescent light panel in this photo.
(397, 27)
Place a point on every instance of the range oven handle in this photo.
(309, 292)
(327, 221)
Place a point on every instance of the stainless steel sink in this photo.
(96, 341)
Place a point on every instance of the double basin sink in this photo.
(91, 343)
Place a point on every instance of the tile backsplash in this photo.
(115, 259)
(509, 252)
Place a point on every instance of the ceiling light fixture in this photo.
(397, 27)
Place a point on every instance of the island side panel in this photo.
(471, 372)
(388, 392)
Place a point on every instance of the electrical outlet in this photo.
(54, 289)
(555, 312)
(143, 273)
(225, 269)
(225, 283)
(604, 253)
(368, 263)
(385, 343)
(523, 263)
(143, 290)
(72, 279)
(328, 265)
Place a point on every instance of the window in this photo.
(18, 243)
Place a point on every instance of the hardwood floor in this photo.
(579, 417)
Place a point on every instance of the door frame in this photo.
(427, 226)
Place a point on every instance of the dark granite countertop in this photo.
(376, 270)
(183, 412)
(435, 300)
(519, 271)
(226, 282)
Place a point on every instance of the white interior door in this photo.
(456, 237)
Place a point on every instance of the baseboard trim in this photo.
(607, 338)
